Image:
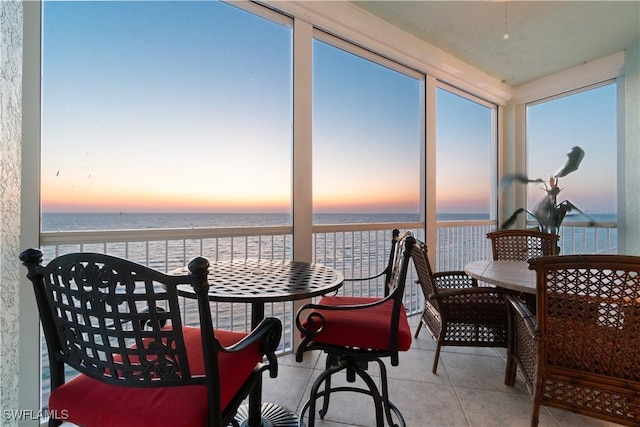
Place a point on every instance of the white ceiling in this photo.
(545, 37)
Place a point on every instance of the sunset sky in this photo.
(186, 107)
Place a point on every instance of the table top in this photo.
(251, 281)
(505, 274)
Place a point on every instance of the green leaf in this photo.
(508, 179)
(573, 162)
(512, 219)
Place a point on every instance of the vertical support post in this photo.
(302, 147)
(29, 327)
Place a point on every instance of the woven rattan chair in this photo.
(458, 312)
(581, 352)
(520, 245)
(119, 325)
(354, 331)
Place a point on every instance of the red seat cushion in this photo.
(88, 402)
(364, 328)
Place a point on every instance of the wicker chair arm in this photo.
(522, 310)
(454, 279)
(477, 290)
(267, 334)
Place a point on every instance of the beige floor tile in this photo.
(479, 372)
(487, 408)
(467, 391)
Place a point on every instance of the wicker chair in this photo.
(458, 312)
(354, 331)
(582, 352)
(119, 325)
(520, 245)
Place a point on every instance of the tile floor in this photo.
(468, 390)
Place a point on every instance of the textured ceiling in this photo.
(545, 37)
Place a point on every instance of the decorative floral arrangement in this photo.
(548, 212)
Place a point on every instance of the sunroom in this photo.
(336, 121)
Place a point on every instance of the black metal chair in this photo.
(458, 312)
(119, 325)
(354, 331)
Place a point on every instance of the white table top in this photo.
(505, 274)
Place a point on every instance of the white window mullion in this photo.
(29, 329)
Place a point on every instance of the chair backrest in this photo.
(445, 280)
(588, 309)
(120, 322)
(520, 245)
(396, 287)
(395, 236)
(396, 279)
(423, 269)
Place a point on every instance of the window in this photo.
(367, 125)
(466, 166)
(165, 107)
(586, 119)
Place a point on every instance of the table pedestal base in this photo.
(272, 416)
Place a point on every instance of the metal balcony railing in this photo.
(357, 250)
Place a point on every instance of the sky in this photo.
(187, 107)
(588, 120)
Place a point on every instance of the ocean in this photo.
(132, 221)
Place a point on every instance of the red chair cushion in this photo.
(364, 328)
(88, 402)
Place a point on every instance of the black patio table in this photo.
(257, 282)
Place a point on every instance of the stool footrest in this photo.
(384, 407)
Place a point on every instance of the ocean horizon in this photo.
(70, 221)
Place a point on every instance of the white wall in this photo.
(629, 155)
(10, 169)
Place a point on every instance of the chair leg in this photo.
(510, 371)
(311, 403)
(535, 414)
(388, 406)
(419, 325)
(437, 357)
(377, 398)
(384, 408)
(330, 362)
